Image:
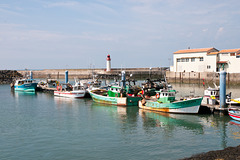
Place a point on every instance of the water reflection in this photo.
(17, 94)
(70, 102)
(125, 117)
(170, 122)
(235, 131)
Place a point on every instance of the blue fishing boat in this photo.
(26, 85)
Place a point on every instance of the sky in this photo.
(65, 34)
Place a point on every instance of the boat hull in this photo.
(234, 114)
(30, 87)
(119, 101)
(70, 94)
(187, 106)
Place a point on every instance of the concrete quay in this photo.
(201, 77)
(137, 73)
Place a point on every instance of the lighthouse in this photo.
(108, 63)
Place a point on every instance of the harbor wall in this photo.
(201, 77)
(136, 73)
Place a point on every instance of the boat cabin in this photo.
(24, 81)
(78, 87)
(165, 96)
(114, 91)
(212, 93)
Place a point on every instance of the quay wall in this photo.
(136, 73)
(201, 77)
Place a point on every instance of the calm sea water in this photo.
(41, 126)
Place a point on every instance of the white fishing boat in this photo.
(67, 90)
(49, 84)
(211, 96)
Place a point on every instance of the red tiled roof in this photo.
(222, 62)
(196, 50)
(212, 53)
(230, 50)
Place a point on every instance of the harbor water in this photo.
(40, 126)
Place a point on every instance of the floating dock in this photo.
(212, 109)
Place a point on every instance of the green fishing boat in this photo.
(115, 95)
(165, 101)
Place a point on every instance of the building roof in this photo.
(213, 53)
(221, 62)
(196, 50)
(230, 51)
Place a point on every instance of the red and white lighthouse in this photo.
(108, 63)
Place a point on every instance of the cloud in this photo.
(64, 4)
(205, 30)
(219, 32)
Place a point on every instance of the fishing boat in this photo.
(48, 84)
(67, 90)
(211, 96)
(26, 85)
(234, 113)
(115, 95)
(165, 101)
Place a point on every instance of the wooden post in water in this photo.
(180, 78)
(175, 77)
(228, 79)
(189, 77)
(199, 78)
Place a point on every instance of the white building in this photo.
(230, 60)
(206, 60)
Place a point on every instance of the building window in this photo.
(201, 59)
(187, 59)
(238, 56)
(178, 60)
(192, 59)
(232, 54)
(183, 60)
(208, 67)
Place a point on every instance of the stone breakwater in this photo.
(7, 76)
(136, 73)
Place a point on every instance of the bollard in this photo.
(222, 89)
(66, 76)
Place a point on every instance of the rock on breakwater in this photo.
(6, 76)
(229, 153)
